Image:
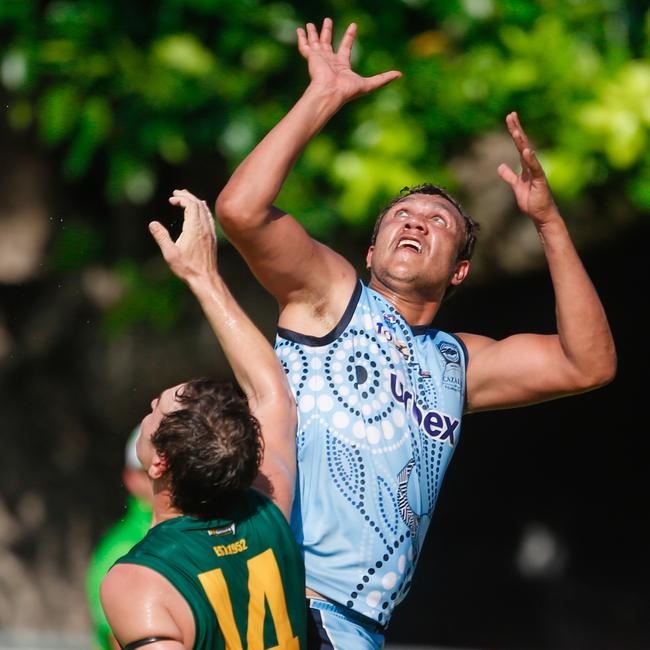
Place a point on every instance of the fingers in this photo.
(532, 164)
(206, 215)
(190, 203)
(303, 46)
(184, 197)
(517, 132)
(520, 140)
(382, 79)
(309, 38)
(535, 167)
(161, 235)
(312, 35)
(529, 162)
(197, 217)
(507, 175)
(345, 48)
(514, 116)
(326, 34)
(193, 253)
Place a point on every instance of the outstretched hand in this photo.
(530, 187)
(331, 70)
(194, 253)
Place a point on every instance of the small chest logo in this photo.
(452, 374)
(224, 530)
(390, 320)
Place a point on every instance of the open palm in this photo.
(331, 70)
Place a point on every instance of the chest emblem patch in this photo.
(452, 373)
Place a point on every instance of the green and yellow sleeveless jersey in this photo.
(242, 576)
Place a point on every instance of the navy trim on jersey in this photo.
(418, 330)
(339, 328)
(316, 604)
(463, 347)
(317, 341)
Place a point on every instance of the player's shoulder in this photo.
(132, 582)
(315, 316)
(474, 342)
(139, 603)
(267, 519)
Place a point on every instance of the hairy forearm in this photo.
(251, 357)
(255, 184)
(582, 324)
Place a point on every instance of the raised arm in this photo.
(292, 266)
(528, 368)
(257, 370)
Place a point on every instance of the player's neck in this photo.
(163, 509)
(414, 308)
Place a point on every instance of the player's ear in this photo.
(369, 256)
(460, 272)
(158, 466)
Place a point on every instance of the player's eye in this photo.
(439, 219)
(401, 213)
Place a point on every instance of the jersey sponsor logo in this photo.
(452, 374)
(435, 424)
(231, 549)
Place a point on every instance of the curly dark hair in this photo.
(212, 446)
(471, 226)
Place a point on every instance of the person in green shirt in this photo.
(119, 539)
(220, 567)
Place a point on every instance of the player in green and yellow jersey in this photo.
(219, 568)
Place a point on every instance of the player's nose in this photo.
(416, 222)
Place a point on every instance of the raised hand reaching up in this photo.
(193, 255)
(530, 187)
(331, 70)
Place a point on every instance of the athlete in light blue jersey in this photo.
(380, 392)
(379, 404)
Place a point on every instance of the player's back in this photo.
(242, 575)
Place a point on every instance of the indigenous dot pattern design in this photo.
(369, 472)
(355, 373)
(296, 365)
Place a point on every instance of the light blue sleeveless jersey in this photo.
(379, 411)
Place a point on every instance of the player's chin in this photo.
(403, 273)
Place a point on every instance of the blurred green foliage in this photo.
(149, 297)
(131, 88)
